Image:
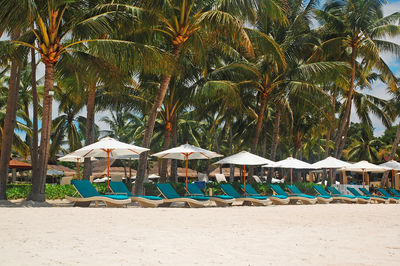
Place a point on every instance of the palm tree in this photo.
(364, 146)
(357, 28)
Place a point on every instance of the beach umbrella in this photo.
(187, 152)
(395, 166)
(364, 166)
(75, 159)
(109, 148)
(291, 163)
(330, 163)
(245, 158)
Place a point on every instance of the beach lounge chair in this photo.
(257, 179)
(394, 192)
(144, 201)
(343, 198)
(305, 199)
(171, 196)
(220, 200)
(336, 193)
(246, 200)
(390, 197)
(377, 199)
(360, 198)
(276, 199)
(220, 178)
(88, 194)
(320, 198)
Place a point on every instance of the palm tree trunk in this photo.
(35, 106)
(231, 166)
(348, 103)
(396, 141)
(275, 134)
(9, 124)
(344, 138)
(148, 134)
(164, 162)
(39, 181)
(174, 163)
(87, 169)
(217, 146)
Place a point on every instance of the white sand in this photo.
(275, 235)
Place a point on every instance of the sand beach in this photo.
(334, 234)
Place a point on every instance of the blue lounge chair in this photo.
(171, 196)
(88, 194)
(320, 198)
(249, 200)
(305, 199)
(394, 192)
(276, 199)
(144, 201)
(220, 200)
(377, 199)
(360, 198)
(343, 198)
(390, 197)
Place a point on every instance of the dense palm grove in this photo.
(277, 78)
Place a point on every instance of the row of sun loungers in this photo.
(195, 197)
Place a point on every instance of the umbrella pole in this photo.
(244, 178)
(108, 169)
(291, 180)
(77, 169)
(331, 181)
(187, 166)
(363, 179)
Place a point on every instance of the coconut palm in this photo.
(357, 29)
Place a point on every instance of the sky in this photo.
(378, 88)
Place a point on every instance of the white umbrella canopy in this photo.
(392, 165)
(245, 158)
(187, 152)
(108, 147)
(364, 166)
(330, 163)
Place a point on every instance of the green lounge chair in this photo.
(360, 198)
(220, 200)
(390, 197)
(171, 196)
(305, 199)
(394, 192)
(144, 201)
(246, 200)
(336, 192)
(342, 198)
(320, 198)
(276, 199)
(377, 199)
(88, 194)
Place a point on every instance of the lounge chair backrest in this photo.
(354, 191)
(194, 189)
(257, 179)
(250, 190)
(334, 190)
(365, 191)
(279, 190)
(294, 189)
(220, 178)
(394, 192)
(321, 190)
(85, 188)
(228, 189)
(167, 190)
(120, 188)
(384, 192)
(202, 177)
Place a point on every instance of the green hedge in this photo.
(17, 191)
